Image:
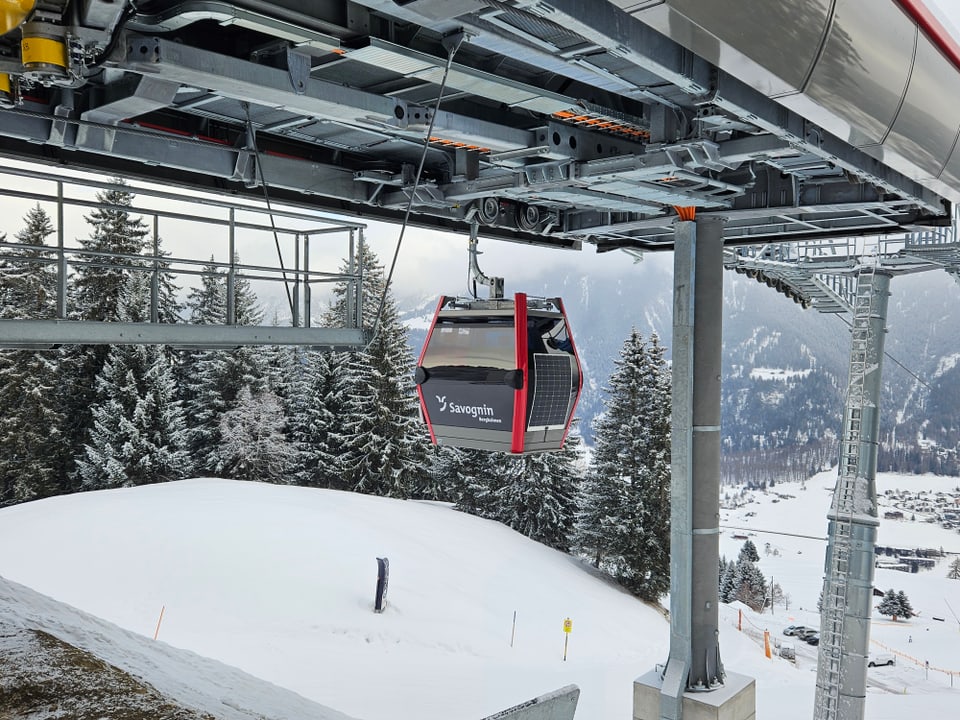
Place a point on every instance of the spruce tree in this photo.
(750, 584)
(32, 461)
(953, 572)
(213, 379)
(623, 526)
(138, 434)
(728, 582)
(100, 281)
(446, 471)
(435, 483)
(538, 497)
(475, 477)
(889, 605)
(749, 551)
(288, 379)
(382, 451)
(906, 609)
(315, 425)
(655, 485)
(96, 287)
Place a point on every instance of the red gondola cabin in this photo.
(499, 374)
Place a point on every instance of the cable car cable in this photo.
(252, 135)
(452, 43)
(895, 361)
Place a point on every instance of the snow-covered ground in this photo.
(278, 582)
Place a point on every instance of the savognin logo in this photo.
(483, 413)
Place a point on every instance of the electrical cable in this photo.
(455, 41)
(128, 12)
(251, 133)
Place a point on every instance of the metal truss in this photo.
(210, 221)
(822, 274)
(564, 122)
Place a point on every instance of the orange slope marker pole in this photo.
(157, 631)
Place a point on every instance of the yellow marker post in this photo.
(567, 629)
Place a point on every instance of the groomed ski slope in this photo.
(278, 582)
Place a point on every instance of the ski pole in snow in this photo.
(567, 629)
(513, 630)
(157, 631)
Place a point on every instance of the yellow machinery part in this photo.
(14, 12)
(41, 51)
(4, 84)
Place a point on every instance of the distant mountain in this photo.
(784, 368)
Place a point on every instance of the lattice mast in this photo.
(853, 522)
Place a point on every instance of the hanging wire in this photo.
(452, 43)
(896, 362)
(252, 135)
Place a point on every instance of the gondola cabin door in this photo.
(499, 375)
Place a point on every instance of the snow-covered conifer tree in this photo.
(211, 380)
(953, 572)
(32, 457)
(889, 605)
(728, 582)
(314, 427)
(253, 446)
(906, 609)
(749, 551)
(751, 585)
(138, 435)
(381, 441)
(538, 498)
(475, 478)
(96, 289)
(623, 525)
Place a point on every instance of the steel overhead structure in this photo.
(563, 123)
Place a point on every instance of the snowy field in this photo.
(278, 582)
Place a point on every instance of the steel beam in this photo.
(50, 333)
(649, 51)
(271, 87)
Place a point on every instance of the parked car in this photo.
(788, 651)
(812, 638)
(806, 633)
(881, 658)
(795, 629)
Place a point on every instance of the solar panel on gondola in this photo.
(499, 374)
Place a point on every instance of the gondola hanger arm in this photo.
(476, 274)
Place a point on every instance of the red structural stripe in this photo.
(423, 351)
(933, 29)
(520, 396)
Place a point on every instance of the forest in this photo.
(93, 417)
